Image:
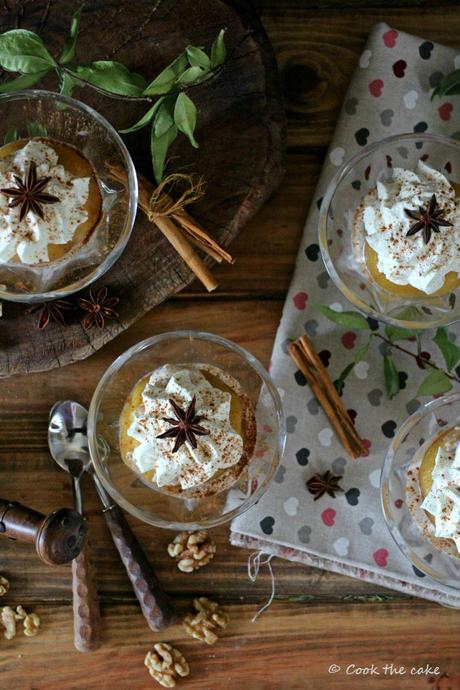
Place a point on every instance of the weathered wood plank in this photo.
(290, 647)
(318, 49)
(28, 474)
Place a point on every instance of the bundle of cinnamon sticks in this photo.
(182, 231)
(309, 363)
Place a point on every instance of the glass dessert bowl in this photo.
(420, 489)
(186, 430)
(389, 230)
(64, 218)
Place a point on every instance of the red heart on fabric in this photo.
(445, 111)
(399, 68)
(328, 517)
(376, 87)
(389, 38)
(300, 300)
(381, 557)
(348, 340)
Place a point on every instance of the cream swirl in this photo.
(187, 467)
(29, 239)
(443, 499)
(408, 260)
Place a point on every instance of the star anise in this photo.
(53, 311)
(326, 483)
(29, 193)
(185, 425)
(99, 307)
(427, 219)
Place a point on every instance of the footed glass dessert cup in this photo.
(86, 148)
(186, 353)
(345, 251)
(402, 491)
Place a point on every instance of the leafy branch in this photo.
(437, 379)
(172, 110)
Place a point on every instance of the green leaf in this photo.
(111, 76)
(409, 314)
(10, 135)
(159, 149)
(185, 117)
(449, 350)
(145, 119)
(434, 383)
(197, 57)
(23, 51)
(66, 84)
(339, 383)
(391, 377)
(163, 119)
(348, 319)
(395, 333)
(24, 81)
(218, 49)
(164, 82)
(68, 52)
(449, 86)
(36, 129)
(191, 75)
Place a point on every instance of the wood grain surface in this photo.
(240, 156)
(318, 618)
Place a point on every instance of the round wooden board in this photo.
(240, 131)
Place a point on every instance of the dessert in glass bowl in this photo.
(390, 230)
(186, 430)
(64, 218)
(433, 490)
(50, 201)
(420, 490)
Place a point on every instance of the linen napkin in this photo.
(390, 93)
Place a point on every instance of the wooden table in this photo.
(318, 618)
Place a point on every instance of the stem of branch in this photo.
(426, 362)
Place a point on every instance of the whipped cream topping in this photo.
(188, 467)
(408, 260)
(443, 500)
(29, 239)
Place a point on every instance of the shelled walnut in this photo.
(4, 585)
(204, 624)
(165, 663)
(192, 550)
(9, 618)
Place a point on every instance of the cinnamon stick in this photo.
(172, 233)
(309, 363)
(197, 233)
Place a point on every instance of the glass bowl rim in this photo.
(144, 345)
(328, 196)
(403, 429)
(130, 216)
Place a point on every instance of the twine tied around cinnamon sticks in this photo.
(177, 225)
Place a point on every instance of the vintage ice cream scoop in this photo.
(68, 437)
(58, 537)
(73, 459)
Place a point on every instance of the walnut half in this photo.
(4, 585)
(9, 618)
(192, 550)
(165, 663)
(206, 622)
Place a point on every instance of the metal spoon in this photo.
(70, 456)
(68, 438)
